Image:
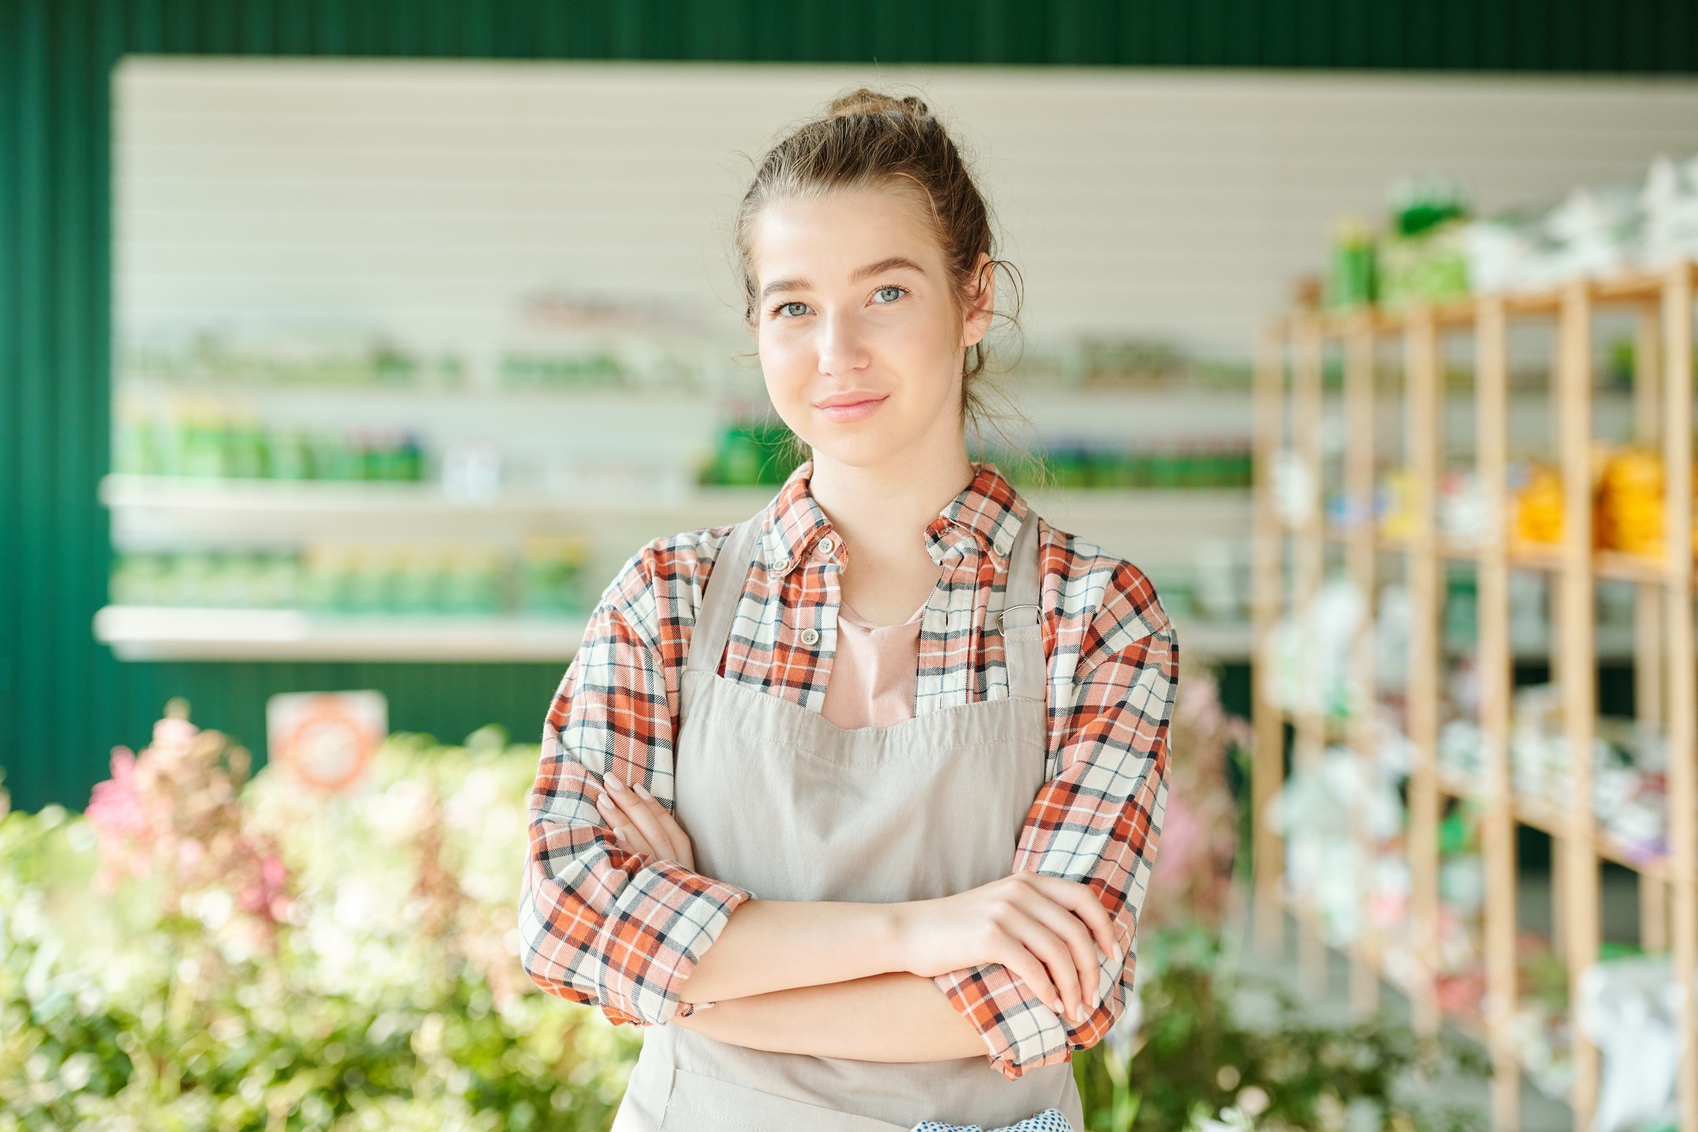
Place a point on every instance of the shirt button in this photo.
(782, 566)
(827, 545)
(810, 637)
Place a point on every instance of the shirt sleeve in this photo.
(598, 924)
(1096, 821)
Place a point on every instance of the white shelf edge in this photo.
(168, 633)
(143, 632)
(121, 491)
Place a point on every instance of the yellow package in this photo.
(1538, 506)
(1396, 505)
(1627, 511)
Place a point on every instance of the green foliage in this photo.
(1194, 1056)
(385, 994)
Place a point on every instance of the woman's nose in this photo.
(841, 349)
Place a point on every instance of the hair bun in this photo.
(870, 102)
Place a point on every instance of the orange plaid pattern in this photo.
(600, 925)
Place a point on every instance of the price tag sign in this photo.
(326, 739)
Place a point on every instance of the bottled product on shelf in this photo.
(1187, 464)
(1627, 503)
(421, 579)
(206, 445)
(1431, 250)
(754, 452)
(215, 359)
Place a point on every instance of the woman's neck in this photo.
(881, 513)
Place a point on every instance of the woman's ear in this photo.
(980, 302)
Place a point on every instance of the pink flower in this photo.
(120, 821)
(189, 854)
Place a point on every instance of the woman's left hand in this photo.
(642, 825)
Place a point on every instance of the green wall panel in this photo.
(64, 700)
(448, 701)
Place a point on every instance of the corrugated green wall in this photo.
(64, 701)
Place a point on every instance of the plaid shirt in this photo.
(605, 926)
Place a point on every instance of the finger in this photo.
(1052, 952)
(1080, 945)
(1025, 966)
(634, 843)
(683, 851)
(623, 831)
(642, 815)
(651, 817)
(1081, 900)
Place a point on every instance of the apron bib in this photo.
(783, 803)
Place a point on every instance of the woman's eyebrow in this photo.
(883, 265)
(778, 285)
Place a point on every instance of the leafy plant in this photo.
(200, 954)
(1190, 1055)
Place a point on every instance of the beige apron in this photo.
(783, 803)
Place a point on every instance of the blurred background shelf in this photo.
(142, 632)
(154, 632)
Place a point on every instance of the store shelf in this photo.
(1549, 818)
(1634, 288)
(1294, 559)
(1161, 531)
(1152, 528)
(159, 512)
(1607, 565)
(145, 632)
(161, 633)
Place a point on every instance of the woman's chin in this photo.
(861, 452)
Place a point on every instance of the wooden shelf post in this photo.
(1579, 670)
(1682, 691)
(1491, 406)
(1267, 772)
(1359, 566)
(1308, 566)
(1422, 382)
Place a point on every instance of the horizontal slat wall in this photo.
(63, 700)
(426, 199)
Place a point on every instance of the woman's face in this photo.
(859, 332)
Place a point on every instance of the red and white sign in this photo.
(326, 739)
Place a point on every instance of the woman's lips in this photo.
(847, 412)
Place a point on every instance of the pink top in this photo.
(874, 672)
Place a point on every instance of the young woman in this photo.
(878, 774)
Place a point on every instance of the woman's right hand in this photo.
(1045, 930)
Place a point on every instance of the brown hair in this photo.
(873, 140)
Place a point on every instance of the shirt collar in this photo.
(988, 512)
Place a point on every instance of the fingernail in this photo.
(1081, 1015)
(642, 792)
(615, 784)
(1059, 1008)
(1119, 953)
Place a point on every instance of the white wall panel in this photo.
(425, 199)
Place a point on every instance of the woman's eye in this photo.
(888, 294)
(793, 310)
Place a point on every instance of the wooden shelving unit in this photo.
(1295, 551)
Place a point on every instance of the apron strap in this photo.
(1022, 616)
(719, 601)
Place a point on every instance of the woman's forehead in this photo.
(834, 235)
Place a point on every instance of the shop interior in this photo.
(1379, 375)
